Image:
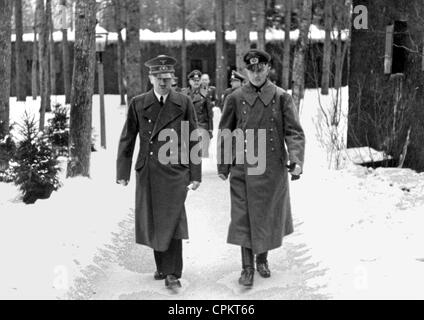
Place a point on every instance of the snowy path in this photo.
(211, 267)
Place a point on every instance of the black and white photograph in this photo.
(209, 150)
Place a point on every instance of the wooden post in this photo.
(102, 100)
(184, 47)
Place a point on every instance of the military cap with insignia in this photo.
(195, 75)
(237, 76)
(255, 56)
(162, 66)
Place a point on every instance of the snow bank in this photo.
(46, 245)
(363, 227)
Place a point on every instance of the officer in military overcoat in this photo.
(260, 201)
(161, 185)
(203, 108)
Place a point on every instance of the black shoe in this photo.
(159, 276)
(247, 276)
(263, 269)
(171, 282)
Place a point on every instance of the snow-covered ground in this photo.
(45, 246)
(361, 228)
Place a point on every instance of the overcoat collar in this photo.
(151, 99)
(266, 94)
(169, 112)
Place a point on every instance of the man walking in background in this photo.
(161, 188)
(203, 109)
(260, 204)
(236, 81)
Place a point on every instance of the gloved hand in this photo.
(295, 170)
(223, 176)
(122, 182)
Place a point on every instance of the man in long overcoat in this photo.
(260, 202)
(161, 185)
(203, 109)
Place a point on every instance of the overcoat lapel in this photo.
(168, 113)
(266, 95)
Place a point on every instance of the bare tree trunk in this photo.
(43, 57)
(132, 50)
(300, 51)
(120, 48)
(221, 68)
(34, 67)
(20, 71)
(5, 61)
(343, 17)
(286, 54)
(243, 31)
(261, 21)
(183, 45)
(82, 89)
(326, 61)
(65, 57)
(51, 51)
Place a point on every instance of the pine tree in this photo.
(35, 168)
(58, 131)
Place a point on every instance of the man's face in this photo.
(205, 80)
(258, 73)
(195, 83)
(235, 83)
(162, 86)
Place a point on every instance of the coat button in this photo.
(151, 153)
(150, 121)
(271, 140)
(151, 142)
(150, 132)
(272, 119)
(273, 149)
(271, 130)
(273, 101)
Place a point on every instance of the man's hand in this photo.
(223, 176)
(123, 182)
(295, 170)
(194, 185)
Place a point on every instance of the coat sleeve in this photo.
(127, 144)
(293, 132)
(227, 125)
(209, 106)
(195, 168)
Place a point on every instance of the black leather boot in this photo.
(262, 265)
(172, 282)
(248, 273)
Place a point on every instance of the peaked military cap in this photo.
(237, 76)
(195, 75)
(255, 56)
(162, 66)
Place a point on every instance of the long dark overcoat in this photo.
(260, 204)
(161, 189)
(203, 106)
